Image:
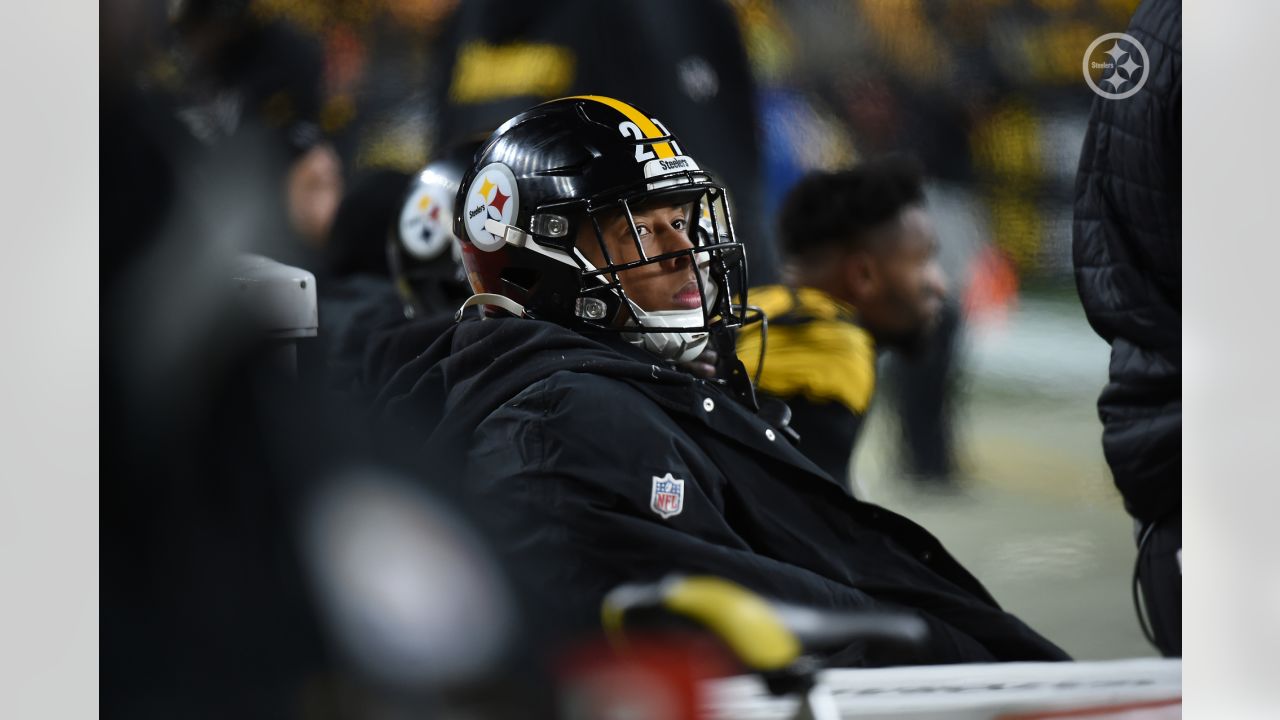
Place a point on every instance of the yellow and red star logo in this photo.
(499, 200)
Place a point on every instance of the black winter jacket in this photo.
(1128, 265)
(564, 437)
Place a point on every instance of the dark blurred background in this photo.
(988, 94)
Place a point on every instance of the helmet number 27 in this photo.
(643, 151)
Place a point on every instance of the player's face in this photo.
(668, 284)
(904, 308)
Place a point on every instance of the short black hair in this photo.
(838, 209)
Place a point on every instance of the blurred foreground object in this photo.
(415, 602)
(658, 677)
(205, 608)
(765, 635)
(785, 644)
(784, 648)
(1147, 689)
(280, 300)
(261, 558)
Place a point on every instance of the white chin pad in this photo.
(677, 346)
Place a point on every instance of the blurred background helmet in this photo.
(422, 251)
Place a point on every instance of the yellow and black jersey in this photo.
(820, 362)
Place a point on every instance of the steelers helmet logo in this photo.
(492, 196)
(424, 229)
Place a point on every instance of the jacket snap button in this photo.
(708, 404)
(768, 432)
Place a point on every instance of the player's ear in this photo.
(861, 274)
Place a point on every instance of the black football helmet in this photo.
(558, 165)
(422, 252)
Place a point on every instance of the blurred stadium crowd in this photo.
(986, 93)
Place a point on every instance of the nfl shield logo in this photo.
(668, 496)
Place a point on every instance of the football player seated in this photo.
(593, 457)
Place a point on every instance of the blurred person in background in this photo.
(987, 96)
(862, 276)
(866, 79)
(598, 459)
(356, 292)
(1128, 260)
(250, 89)
(405, 280)
(426, 267)
(921, 388)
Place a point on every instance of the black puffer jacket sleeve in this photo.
(1127, 251)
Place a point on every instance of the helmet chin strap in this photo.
(494, 299)
(678, 347)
